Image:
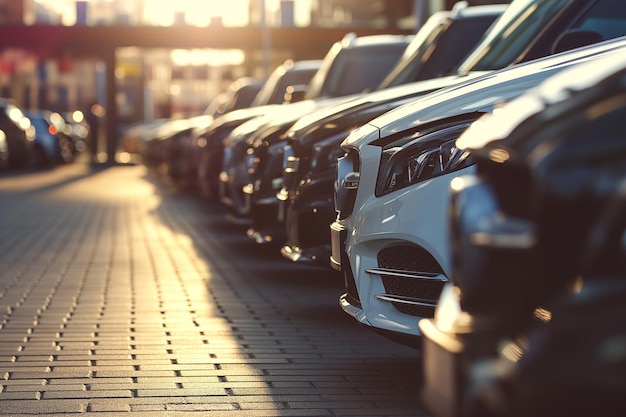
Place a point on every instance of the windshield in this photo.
(352, 70)
(314, 89)
(442, 55)
(512, 33)
(415, 51)
(273, 91)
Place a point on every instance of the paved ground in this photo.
(119, 295)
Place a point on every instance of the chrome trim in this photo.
(291, 164)
(392, 298)
(248, 189)
(282, 194)
(428, 276)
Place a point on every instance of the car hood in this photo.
(174, 126)
(480, 94)
(576, 88)
(343, 110)
(276, 116)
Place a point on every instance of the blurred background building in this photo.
(155, 82)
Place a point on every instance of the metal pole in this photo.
(422, 12)
(111, 105)
(266, 41)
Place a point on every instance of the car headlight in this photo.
(326, 152)
(421, 156)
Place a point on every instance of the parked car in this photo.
(442, 42)
(16, 143)
(308, 195)
(351, 66)
(239, 95)
(295, 74)
(163, 149)
(533, 321)
(390, 237)
(77, 128)
(51, 145)
(135, 136)
(237, 158)
(177, 142)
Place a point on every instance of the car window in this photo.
(407, 69)
(360, 69)
(518, 27)
(463, 35)
(314, 89)
(40, 124)
(512, 33)
(607, 17)
(294, 77)
(409, 64)
(264, 95)
(442, 52)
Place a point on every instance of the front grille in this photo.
(408, 258)
(350, 283)
(419, 262)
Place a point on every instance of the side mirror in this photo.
(295, 93)
(573, 39)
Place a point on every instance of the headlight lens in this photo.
(421, 156)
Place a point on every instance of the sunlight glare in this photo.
(197, 13)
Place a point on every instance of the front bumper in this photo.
(446, 355)
(442, 370)
(264, 228)
(307, 235)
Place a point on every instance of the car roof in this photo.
(477, 10)
(350, 40)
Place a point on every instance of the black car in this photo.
(441, 44)
(354, 65)
(533, 322)
(50, 145)
(16, 142)
(527, 30)
(178, 145)
(350, 66)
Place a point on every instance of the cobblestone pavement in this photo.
(119, 295)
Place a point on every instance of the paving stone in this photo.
(119, 295)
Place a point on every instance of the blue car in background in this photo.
(51, 146)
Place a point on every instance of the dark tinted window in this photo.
(360, 69)
(454, 45)
(607, 17)
(294, 77)
(524, 20)
(244, 96)
(513, 33)
(442, 51)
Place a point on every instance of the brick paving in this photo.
(122, 296)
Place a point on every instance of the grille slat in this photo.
(424, 279)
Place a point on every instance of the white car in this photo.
(392, 190)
